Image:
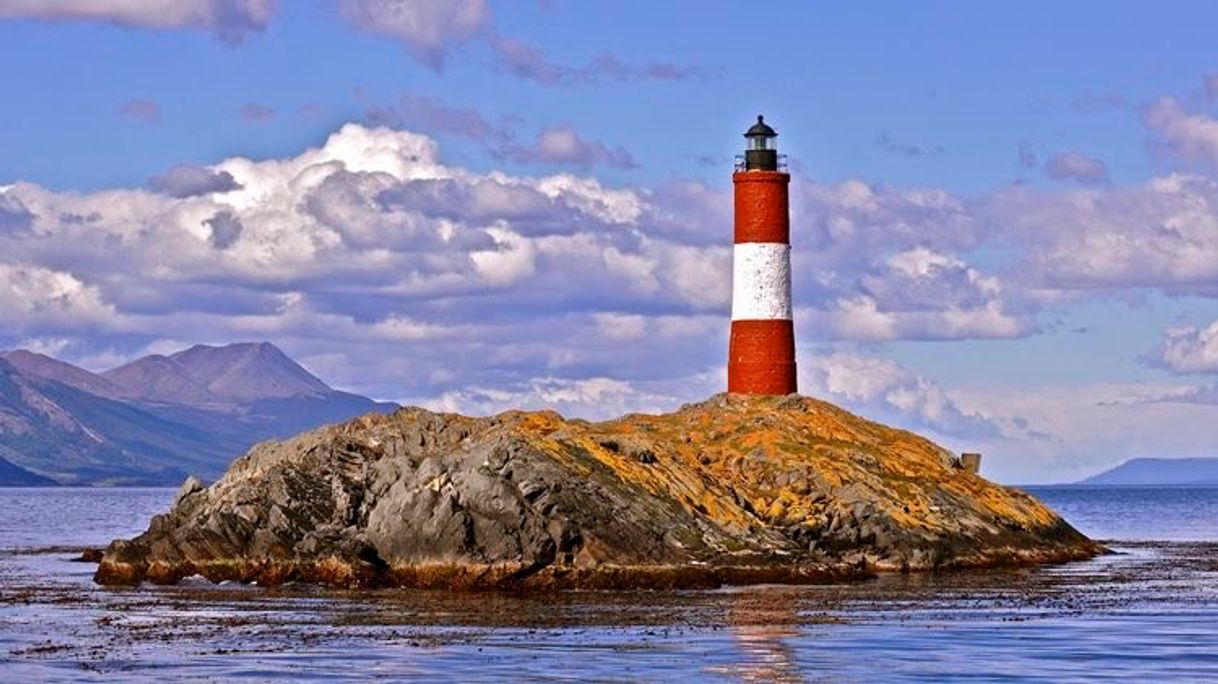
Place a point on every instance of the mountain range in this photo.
(158, 419)
(1159, 471)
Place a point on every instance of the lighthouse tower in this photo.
(761, 354)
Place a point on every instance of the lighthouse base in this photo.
(761, 357)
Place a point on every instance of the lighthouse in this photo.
(761, 352)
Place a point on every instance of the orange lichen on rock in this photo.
(736, 488)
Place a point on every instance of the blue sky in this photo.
(1005, 218)
(976, 81)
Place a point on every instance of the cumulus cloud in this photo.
(411, 278)
(531, 210)
(231, 21)
(40, 300)
(185, 180)
(1162, 234)
(434, 280)
(923, 294)
(595, 397)
(428, 29)
(1175, 131)
(562, 145)
(145, 111)
(1188, 349)
(373, 244)
(880, 263)
(1076, 166)
(853, 219)
(882, 388)
(14, 216)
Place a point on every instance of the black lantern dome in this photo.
(761, 153)
(760, 129)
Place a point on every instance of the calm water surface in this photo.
(1147, 613)
(1137, 513)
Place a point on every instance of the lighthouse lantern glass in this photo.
(760, 142)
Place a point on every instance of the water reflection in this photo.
(761, 621)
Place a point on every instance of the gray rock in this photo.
(530, 500)
(192, 485)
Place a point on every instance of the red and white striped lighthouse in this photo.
(761, 354)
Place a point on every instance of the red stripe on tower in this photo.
(761, 353)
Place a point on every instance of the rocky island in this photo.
(736, 489)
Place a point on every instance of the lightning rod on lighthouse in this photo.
(761, 352)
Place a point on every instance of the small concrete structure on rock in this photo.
(971, 462)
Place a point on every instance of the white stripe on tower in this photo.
(761, 281)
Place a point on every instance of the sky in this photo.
(1004, 218)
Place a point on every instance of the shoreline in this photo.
(336, 573)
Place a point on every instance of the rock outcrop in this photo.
(732, 490)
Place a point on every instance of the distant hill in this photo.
(1159, 471)
(43, 366)
(249, 372)
(158, 378)
(159, 418)
(75, 437)
(15, 476)
(236, 373)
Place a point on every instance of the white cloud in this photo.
(1190, 136)
(884, 390)
(1088, 427)
(617, 326)
(38, 300)
(428, 29)
(487, 289)
(562, 145)
(190, 181)
(511, 261)
(918, 293)
(877, 263)
(1189, 349)
(229, 20)
(592, 398)
(1160, 234)
(370, 244)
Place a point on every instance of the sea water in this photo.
(1148, 612)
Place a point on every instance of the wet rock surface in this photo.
(732, 490)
